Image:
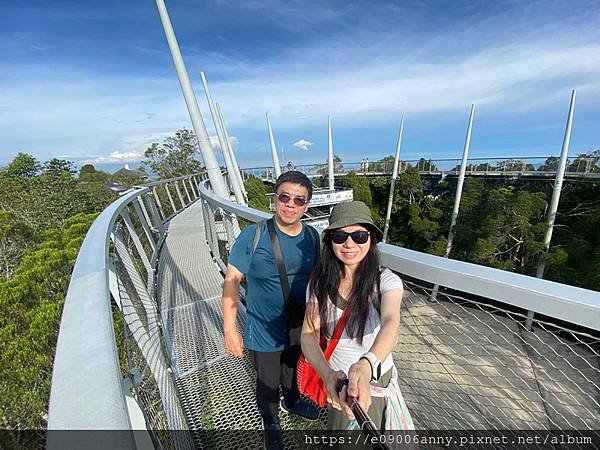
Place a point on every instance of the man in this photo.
(272, 333)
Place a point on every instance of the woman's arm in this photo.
(309, 340)
(359, 374)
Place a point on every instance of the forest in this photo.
(46, 209)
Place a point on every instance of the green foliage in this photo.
(58, 167)
(586, 162)
(257, 194)
(15, 237)
(43, 201)
(23, 165)
(322, 169)
(174, 157)
(550, 165)
(31, 302)
(574, 256)
(359, 185)
(89, 173)
(501, 227)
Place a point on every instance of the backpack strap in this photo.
(259, 228)
(285, 285)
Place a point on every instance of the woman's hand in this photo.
(359, 382)
(331, 384)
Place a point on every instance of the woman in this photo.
(348, 275)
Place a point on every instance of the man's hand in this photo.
(234, 344)
(359, 379)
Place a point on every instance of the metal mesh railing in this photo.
(465, 364)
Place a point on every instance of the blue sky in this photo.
(93, 81)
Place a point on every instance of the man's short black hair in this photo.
(295, 177)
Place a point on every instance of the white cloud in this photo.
(504, 79)
(115, 157)
(302, 144)
(214, 140)
(362, 76)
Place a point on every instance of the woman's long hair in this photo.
(325, 282)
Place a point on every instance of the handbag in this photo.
(308, 380)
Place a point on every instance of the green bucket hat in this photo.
(352, 213)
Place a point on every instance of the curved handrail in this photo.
(87, 328)
(86, 391)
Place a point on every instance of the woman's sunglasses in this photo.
(341, 236)
(298, 201)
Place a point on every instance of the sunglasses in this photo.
(298, 201)
(341, 236)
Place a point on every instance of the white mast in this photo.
(276, 165)
(206, 149)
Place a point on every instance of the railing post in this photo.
(145, 226)
(183, 205)
(166, 185)
(187, 194)
(136, 241)
(158, 203)
(156, 219)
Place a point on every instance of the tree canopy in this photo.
(174, 157)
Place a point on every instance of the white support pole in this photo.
(276, 165)
(556, 191)
(388, 214)
(459, 186)
(233, 179)
(208, 155)
(330, 156)
(238, 172)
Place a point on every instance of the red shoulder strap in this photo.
(337, 332)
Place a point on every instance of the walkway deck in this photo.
(460, 366)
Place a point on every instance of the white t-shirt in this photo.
(348, 350)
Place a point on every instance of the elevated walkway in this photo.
(465, 360)
(582, 168)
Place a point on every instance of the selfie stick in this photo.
(363, 419)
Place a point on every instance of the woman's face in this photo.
(350, 252)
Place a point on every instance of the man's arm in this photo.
(234, 344)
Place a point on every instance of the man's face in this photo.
(290, 213)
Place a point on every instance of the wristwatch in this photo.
(374, 363)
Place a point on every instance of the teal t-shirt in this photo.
(267, 328)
